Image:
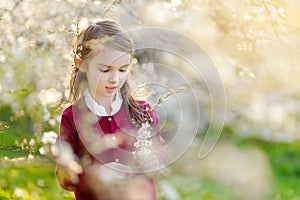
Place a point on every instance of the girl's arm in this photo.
(69, 171)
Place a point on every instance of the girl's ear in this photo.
(79, 64)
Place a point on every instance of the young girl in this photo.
(98, 133)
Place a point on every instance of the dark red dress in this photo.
(86, 135)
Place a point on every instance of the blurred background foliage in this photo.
(255, 46)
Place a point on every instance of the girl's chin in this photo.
(106, 93)
(109, 94)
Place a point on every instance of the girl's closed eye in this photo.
(104, 69)
(123, 69)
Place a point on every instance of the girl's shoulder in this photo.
(148, 111)
(68, 111)
(73, 108)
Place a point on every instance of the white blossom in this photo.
(169, 191)
(142, 142)
(19, 192)
(42, 150)
(30, 157)
(49, 137)
(32, 142)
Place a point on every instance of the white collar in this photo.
(100, 110)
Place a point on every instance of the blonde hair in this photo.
(109, 33)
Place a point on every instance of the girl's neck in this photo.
(106, 102)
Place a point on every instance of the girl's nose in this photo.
(114, 78)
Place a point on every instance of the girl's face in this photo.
(106, 72)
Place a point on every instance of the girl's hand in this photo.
(67, 177)
(114, 173)
(149, 163)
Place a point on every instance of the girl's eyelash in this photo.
(107, 70)
(104, 70)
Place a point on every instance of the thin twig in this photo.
(110, 8)
(166, 97)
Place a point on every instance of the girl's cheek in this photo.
(124, 74)
(123, 78)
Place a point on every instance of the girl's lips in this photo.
(110, 89)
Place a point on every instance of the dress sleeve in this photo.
(69, 172)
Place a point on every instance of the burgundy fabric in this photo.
(73, 130)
